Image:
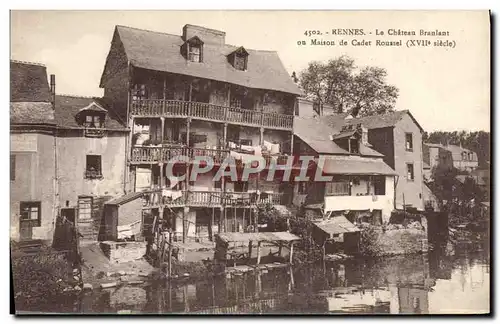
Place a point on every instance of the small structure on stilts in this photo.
(235, 251)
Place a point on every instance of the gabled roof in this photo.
(336, 225)
(389, 119)
(67, 108)
(316, 133)
(93, 106)
(161, 52)
(240, 50)
(28, 82)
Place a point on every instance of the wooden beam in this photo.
(258, 252)
(262, 136)
(291, 252)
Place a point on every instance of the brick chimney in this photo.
(53, 90)
(207, 35)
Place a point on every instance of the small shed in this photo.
(123, 217)
(338, 232)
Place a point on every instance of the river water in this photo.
(434, 283)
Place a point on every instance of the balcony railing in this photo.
(155, 154)
(337, 189)
(206, 111)
(177, 198)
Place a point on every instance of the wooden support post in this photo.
(279, 249)
(212, 225)
(261, 136)
(225, 219)
(224, 138)
(291, 252)
(324, 250)
(170, 253)
(162, 180)
(258, 252)
(184, 212)
(188, 128)
(151, 185)
(291, 143)
(162, 129)
(250, 245)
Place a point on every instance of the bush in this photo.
(40, 277)
(369, 246)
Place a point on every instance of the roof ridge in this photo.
(77, 96)
(148, 30)
(28, 62)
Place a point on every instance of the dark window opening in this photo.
(218, 184)
(379, 185)
(12, 167)
(303, 188)
(93, 169)
(93, 121)
(409, 141)
(195, 53)
(354, 146)
(240, 62)
(31, 212)
(410, 171)
(240, 186)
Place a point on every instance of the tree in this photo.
(340, 83)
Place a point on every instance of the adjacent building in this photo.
(397, 136)
(67, 156)
(450, 156)
(194, 95)
(362, 183)
(33, 184)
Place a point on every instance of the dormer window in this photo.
(239, 59)
(92, 119)
(354, 145)
(193, 50)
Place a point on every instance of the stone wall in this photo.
(121, 252)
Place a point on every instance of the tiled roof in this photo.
(31, 113)
(67, 107)
(357, 167)
(162, 52)
(124, 199)
(336, 225)
(28, 82)
(389, 119)
(316, 133)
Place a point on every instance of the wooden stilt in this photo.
(250, 250)
(258, 253)
(291, 253)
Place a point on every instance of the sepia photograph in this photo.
(232, 162)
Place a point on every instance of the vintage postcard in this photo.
(250, 162)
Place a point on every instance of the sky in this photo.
(444, 88)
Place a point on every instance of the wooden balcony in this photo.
(169, 198)
(209, 112)
(157, 154)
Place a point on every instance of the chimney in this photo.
(206, 35)
(53, 90)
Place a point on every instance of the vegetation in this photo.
(40, 278)
(340, 83)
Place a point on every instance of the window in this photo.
(379, 185)
(218, 184)
(12, 167)
(31, 211)
(240, 186)
(240, 62)
(354, 146)
(93, 170)
(409, 141)
(410, 172)
(303, 188)
(93, 121)
(195, 53)
(84, 208)
(247, 142)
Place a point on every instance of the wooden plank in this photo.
(258, 252)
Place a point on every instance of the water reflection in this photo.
(418, 284)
